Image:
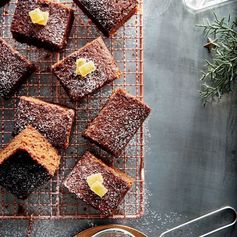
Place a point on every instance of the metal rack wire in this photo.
(53, 201)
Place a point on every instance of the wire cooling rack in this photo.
(53, 200)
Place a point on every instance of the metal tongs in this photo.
(125, 231)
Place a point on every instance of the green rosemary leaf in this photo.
(221, 71)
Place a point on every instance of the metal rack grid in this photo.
(53, 200)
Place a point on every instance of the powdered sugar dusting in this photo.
(53, 121)
(77, 86)
(108, 14)
(55, 32)
(116, 124)
(116, 185)
(52, 199)
(13, 68)
(153, 223)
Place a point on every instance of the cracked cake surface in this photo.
(14, 69)
(117, 122)
(52, 120)
(77, 86)
(116, 182)
(54, 35)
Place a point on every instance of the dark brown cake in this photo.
(53, 121)
(14, 69)
(116, 182)
(27, 162)
(54, 35)
(108, 15)
(3, 2)
(78, 87)
(117, 122)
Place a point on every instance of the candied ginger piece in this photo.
(85, 69)
(99, 189)
(80, 62)
(93, 178)
(39, 17)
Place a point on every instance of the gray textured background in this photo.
(191, 159)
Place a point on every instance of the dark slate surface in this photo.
(191, 159)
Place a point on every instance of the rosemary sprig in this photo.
(220, 73)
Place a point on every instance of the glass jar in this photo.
(202, 5)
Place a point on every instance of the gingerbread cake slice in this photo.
(97, 184)
(105, 71)
(117, 122)
(51, 120)
(52, 34)
(14, 69)
(108, 15)
(27, 162)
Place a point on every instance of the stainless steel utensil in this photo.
(125, 231)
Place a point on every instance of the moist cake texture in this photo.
(54, 35)
(108, 15)
(21, 175)
(77, 86)
(117, 122)
(27, 162)
(53, 121)
(14, 69)
(116, 182)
